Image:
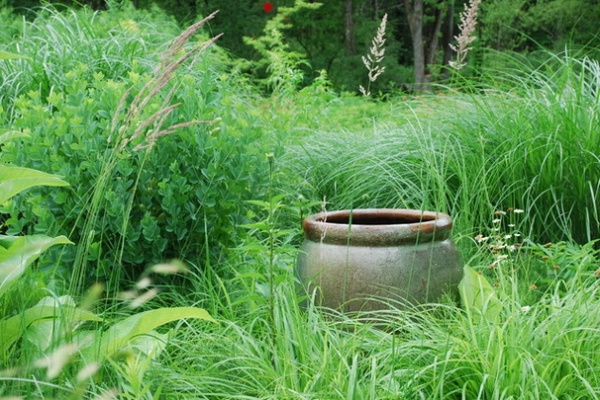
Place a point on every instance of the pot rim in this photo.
(368, 227)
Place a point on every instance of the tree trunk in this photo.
(433, 41)
(448, 37)
(414, 13)
(349, 28)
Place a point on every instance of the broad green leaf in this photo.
(478, 295)
(18, 252)
(14, 180)
(42, 334)
(11, 329)
(4, 55)
(5, 136)
(118, 336)
(151, 344)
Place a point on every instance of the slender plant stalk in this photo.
(270, 224)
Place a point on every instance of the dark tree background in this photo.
(336, 35)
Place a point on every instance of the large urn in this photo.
(370, 259)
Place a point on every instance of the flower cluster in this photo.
(498, 243)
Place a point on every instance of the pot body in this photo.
(367, 259)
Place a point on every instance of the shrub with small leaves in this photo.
(188, 188)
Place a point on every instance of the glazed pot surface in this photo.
(365, 259)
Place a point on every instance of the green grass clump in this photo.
(533, 148)
(534, 344)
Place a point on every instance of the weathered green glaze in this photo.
(358, 259)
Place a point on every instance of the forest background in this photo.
(332, 36)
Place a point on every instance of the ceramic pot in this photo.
(359, 260)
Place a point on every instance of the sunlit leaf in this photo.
(478, 296)
(104, 344)
(14, 180)
(11, 329)
(18, 252)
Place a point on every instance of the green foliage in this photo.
(50, 324)
(55, 44)
(520, 25)
(54, 324)
(300, 353)
(563, 263)
(268, 251)
(525, 347)
(13, 328)
(14, 180)
(506, 25)
(281, 62)
(17, 253)
(53, 327)
(9, 56)
(502, 342)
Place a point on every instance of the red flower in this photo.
(267, 7)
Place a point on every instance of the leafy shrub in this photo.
(189, 190)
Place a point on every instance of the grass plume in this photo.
(375, 57)
(468, 21)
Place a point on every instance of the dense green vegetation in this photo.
(151, 193)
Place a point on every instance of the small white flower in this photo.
(525, 309)
(480, 238)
